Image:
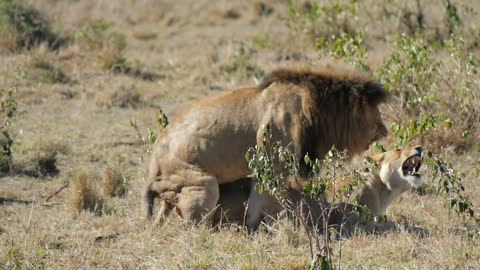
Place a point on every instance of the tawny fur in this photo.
(205, 146)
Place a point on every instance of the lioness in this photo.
(396, 172)
(205, 146)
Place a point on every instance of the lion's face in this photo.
(368, 128)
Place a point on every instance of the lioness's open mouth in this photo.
(412, 165)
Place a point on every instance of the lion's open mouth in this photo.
(412, 165)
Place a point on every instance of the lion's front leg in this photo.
(254, 210)
(260, 206)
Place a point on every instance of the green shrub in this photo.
(410, 72)
(273, 164)
(322, 19)
(8, 110)
(332, 27)
(22, 26)
(446, 181)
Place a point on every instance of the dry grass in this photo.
(113, 182)
(197, 48)
(84, 194)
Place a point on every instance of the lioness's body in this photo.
(205, 146)
(386, 183)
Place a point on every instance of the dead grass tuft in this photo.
(113, 182)
(144, 35)
(84, 194)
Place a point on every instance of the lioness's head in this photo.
(399, 169)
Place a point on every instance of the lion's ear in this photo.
(373, 93)
(378, 158)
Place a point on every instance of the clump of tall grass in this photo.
(84, 194)
(113, 182)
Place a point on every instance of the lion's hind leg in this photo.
(197, 203)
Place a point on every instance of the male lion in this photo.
(205, 146)
(396, 172)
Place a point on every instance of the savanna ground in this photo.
(80, 99)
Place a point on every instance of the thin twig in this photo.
(65, 185)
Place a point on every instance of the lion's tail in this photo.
(148, 200)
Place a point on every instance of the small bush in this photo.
(44, 71)
(110, 50)
(8, 110)
(240, 65)
(409, 72)
(47, 164)
(109, 45)
(5, 163)
(38, 160)
(127, 97)
(332, 27)
(114, 183)
(322, 19)
(84, 194)
(22, 26)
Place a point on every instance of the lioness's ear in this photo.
(378, 158)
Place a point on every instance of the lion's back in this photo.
(213, 134)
